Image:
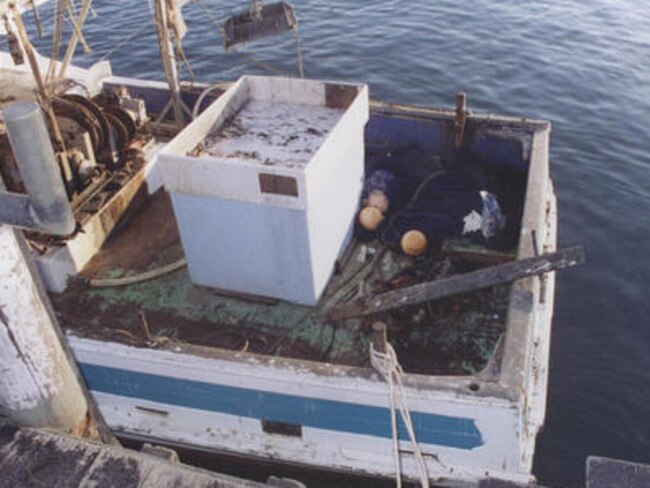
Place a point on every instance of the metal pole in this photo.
(168, 59)
(46, 207)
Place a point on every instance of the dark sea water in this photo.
(584, 65)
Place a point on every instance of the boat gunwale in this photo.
(383, 107)
(458, 384)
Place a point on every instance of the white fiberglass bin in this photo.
(265, 184)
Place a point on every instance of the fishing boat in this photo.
(174, 358)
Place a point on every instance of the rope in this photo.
(199, 101)
(416, 195)
(301, 69)
(147, 275)
(181, 53)
(124, 41)
(387, 365)
(261, 64)
(212, 18)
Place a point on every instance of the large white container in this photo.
(266, 201)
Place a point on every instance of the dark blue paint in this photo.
(436, 136)
(390, 131)
(443, 430)
(499, 151)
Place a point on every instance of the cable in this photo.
(301, 69)
(147, 275)
(124, 41)
(204, 93)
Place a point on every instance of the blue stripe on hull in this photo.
(352, 418)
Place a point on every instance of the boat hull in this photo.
(335, 417)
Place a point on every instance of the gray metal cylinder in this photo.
(30, 142)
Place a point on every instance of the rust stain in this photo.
(339, 96)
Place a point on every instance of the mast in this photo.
(161, 21)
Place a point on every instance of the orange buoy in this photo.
(370, 218)
(413, 243)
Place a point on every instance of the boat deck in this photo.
(454, 336)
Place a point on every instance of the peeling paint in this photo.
(38, 386)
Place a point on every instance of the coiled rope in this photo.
(387, 365)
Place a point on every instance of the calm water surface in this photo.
(584, 65)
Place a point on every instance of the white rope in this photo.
(387, 365)
(147, 275)
(199, 101)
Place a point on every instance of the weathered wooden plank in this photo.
(454, 285)
(477, 254)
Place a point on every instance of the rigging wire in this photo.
(301, 68)
(125, 40)
(57, 35)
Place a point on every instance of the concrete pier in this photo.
(38, 386)
(612, 473)
(38, 457)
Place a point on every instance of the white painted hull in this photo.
(475, 434)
